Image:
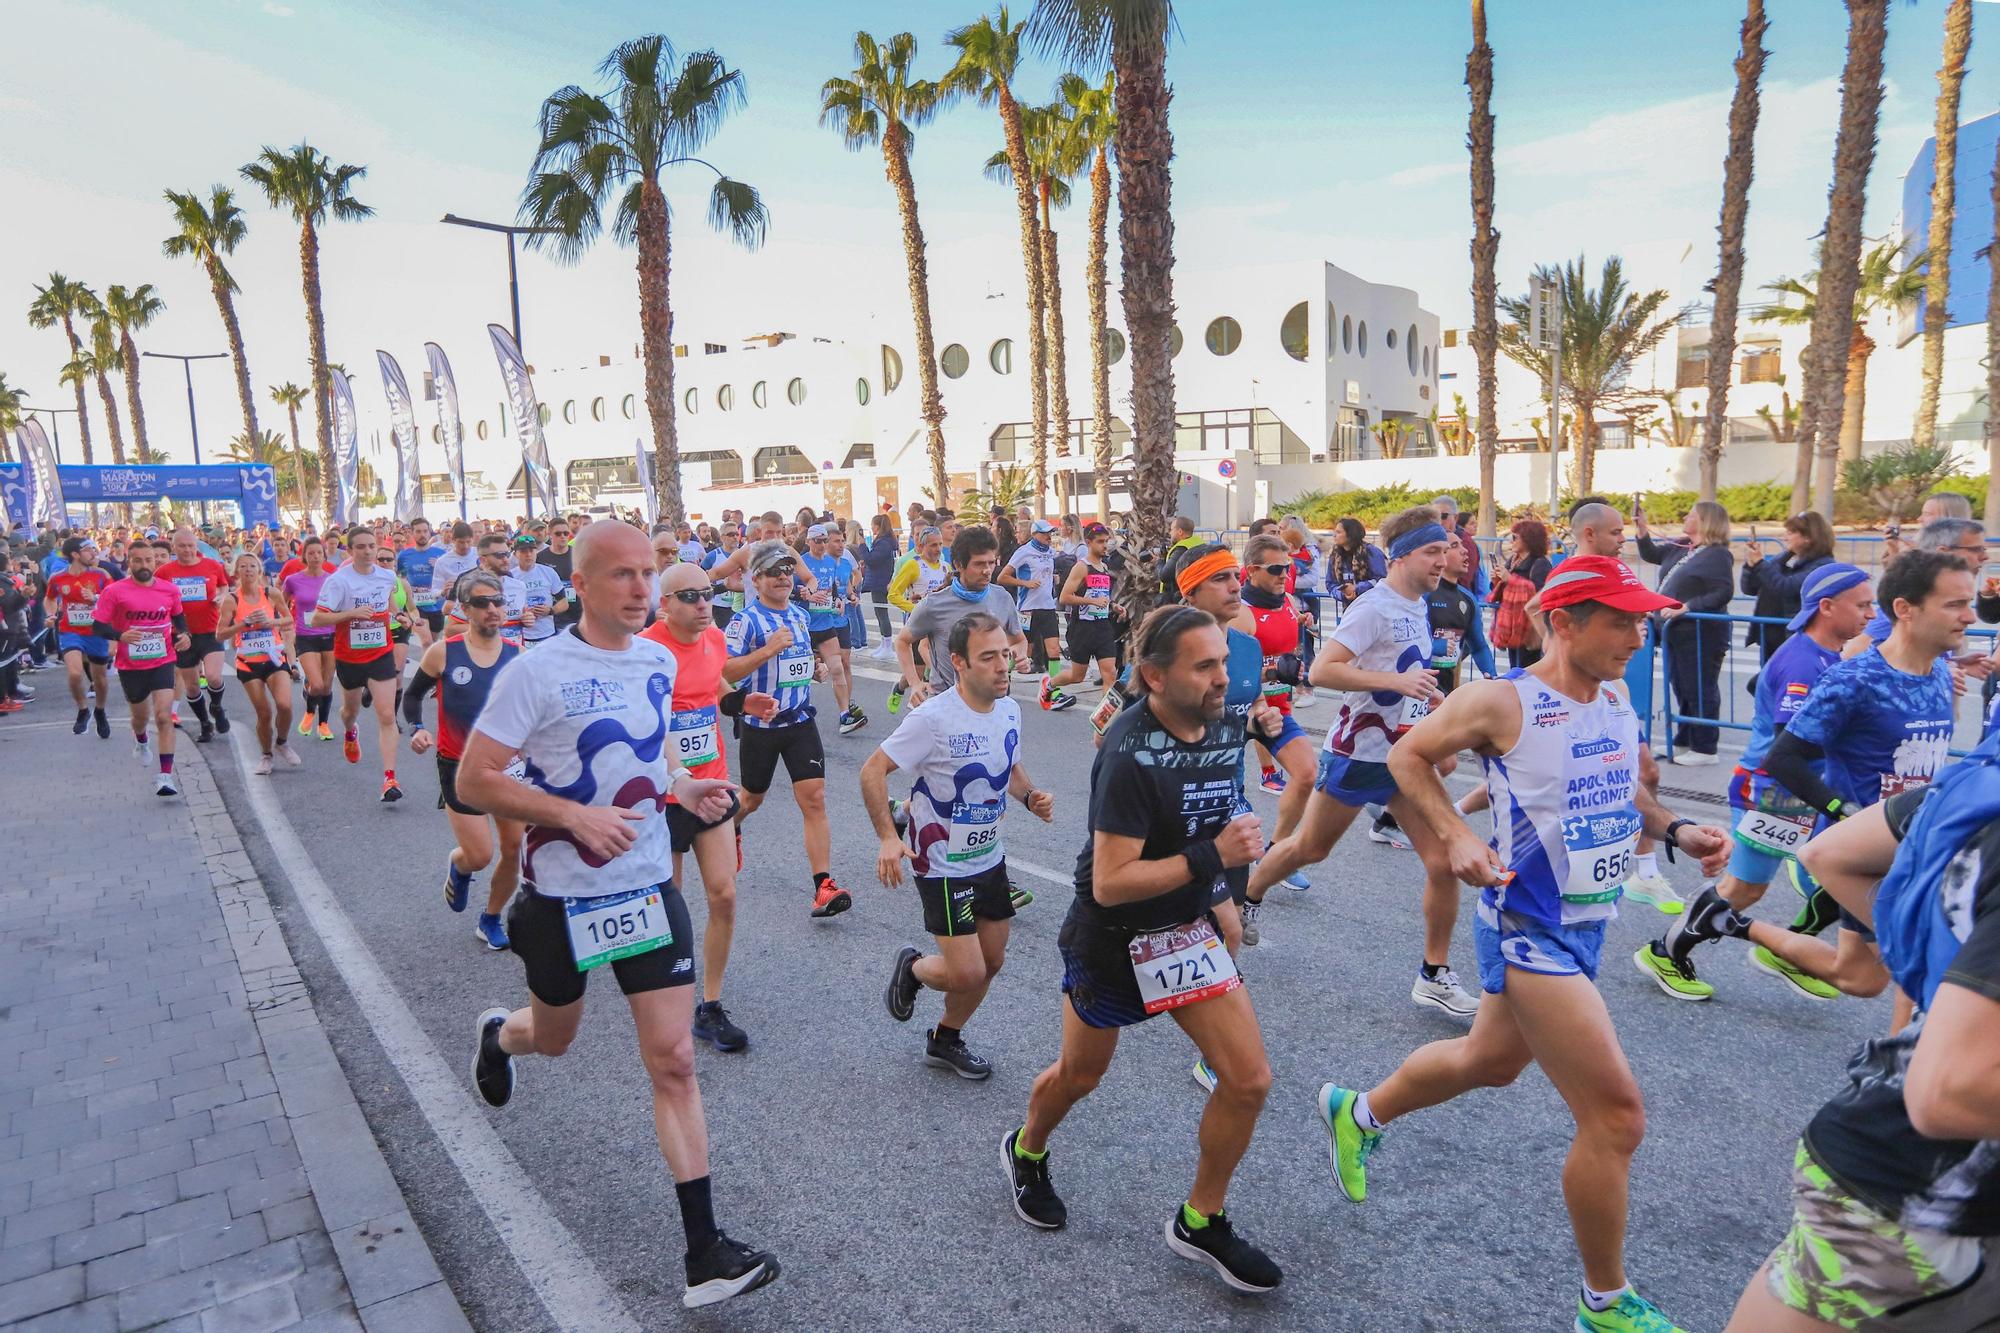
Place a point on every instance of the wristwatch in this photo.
(1672, 836)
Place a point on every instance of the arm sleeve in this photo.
(1790, 761)
(907, 745)
(1482, 651)
(1976, 966)
(1751, 580)
(413, 698)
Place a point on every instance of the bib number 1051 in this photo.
(603, 930)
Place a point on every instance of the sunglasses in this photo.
(694, 595)
(482, 603)
(779, 571)
(558, 532)
(1275, 571)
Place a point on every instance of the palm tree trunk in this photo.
(1802, 440)
(1031, 260)
(82, 403)
(656, 332)
(896, 162)
(1992, 510)
(1100, 368)
(110, 402)
(1840, 253)
(1736, 172)
(1146, 250)
(226, 303)
(1854, 394)
(142, 449)
(322, 378)
(1058, 354)
(1944, 202)
(298, 457)
(1485, 256)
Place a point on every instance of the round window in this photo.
(569, 411)
(597, 409)
(1114, 346)
(691, 401)
(892, 369)
(630, 406)
(1332, 323)
(861, 391)
(757, 394)
(1391, 337)
(954, 361)
(480, 429)
(725, 397)
(795, 392)
(1174, 342)
(1427, 361)
(437, 434)
(547, 414)
(1224, 335)
(1001, 356)
(1347, 333)
(1292, 332)
(1410, 350)
(1361, 337)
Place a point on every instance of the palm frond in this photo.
(736, 208)
(1081, 33)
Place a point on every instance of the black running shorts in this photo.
(538, 931)
(954, 905)
(798, 745)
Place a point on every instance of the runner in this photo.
(920, 574)
(768, 645)
(1275, 622)
(964, 748)
(1770, 824)
(142, 614)
(1561, 746)
(355, 601)
(974, 558)
(1378, 656)
(255, 618)
(201, 581)
(556, 555)
(463, 668)
(313, 645)
(1032, 569)
(544, 598)
(826, 619)
(1140, 937)
(416, 565)
(71, 600)
(850, 598)
(447, 570)
(588, 713)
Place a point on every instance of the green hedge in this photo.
(1323, 509)
(1972, 488)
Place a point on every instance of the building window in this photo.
(860, 453)
(480, 429)
(546, 413)
(1350, 435)
(795, 392)
(1691, 372)
(1332, 323)
(1347, 333)
(782, 460)
(1224, 335)
(1451, 337)
(691, 401)
(1391, 336)
(1614, 435)
(1114, 346)
(1012, 441)
(954, 361)
(437, 434)
(1427, 363)
(892, 369)
(586, 477)
(1410, 348)
(725, 466)
(1174, 342)
(861, 391)
(1760, 364)
(725, 397)
(1292, 333)
(569, 412)
(1362, 337)
(1000, 356)
(630, 406)
(757, 395)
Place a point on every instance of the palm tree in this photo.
(206, 234)
(12, 407)
(881, 104)
(288, 396)
(1840, 250)
(304, 182)
(1130, 36)
(1728, 284)
(1485, 258)
(1993, 356)
(64, 302)
(106, 359)
(1096, 125)
(1944, 202)
(989, 55)
(129, 310)
(1606, 330)
(619, 145)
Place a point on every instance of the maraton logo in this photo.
(591, 695)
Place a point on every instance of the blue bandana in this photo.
(959, 591)
(1411, 542)
(1828, 580)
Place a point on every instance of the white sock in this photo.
(1362, 1115)
(1600, 1301)
(1648, 863)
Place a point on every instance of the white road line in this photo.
(1042, 872)
(571, 1289)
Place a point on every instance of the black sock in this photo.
(325, 706)
(200, 706)
(215, 700)
(820, 877)
(944, 1034)
(1433, 971)
(697, 1213)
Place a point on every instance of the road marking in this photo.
(568, 1284)
(1042, 872)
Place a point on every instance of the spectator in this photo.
(1183, 542)
(1356, 563)
(1696, 571)
(1776, 581)
(1450, 519)
(1525, 569)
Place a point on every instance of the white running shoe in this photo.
(1204, 1075)
(165, 786)
(1654, 891)
(1249, 911)
(289, 755)
(142, 752)
(1445, 993)
(1691, 759)
(263, 769)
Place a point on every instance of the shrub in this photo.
(1322, 509)
(1972, 488)
(1895, 481)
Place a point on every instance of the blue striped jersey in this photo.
(786, 677)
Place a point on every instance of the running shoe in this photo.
(325, 731)
(164, 786)
(1019, 896)
(1234, 1259)
(306, 725)
(350, 746)
(82, 721)
(489, 929)
(1389, 835)
(492, 1068)
(1654, 891)
(952, 1053)
(899, 817)
(103, 726)
(726, 1268)
(1303, 697)
(11, 705)
(1633, 1314)
(1694, 759)
(1203, 1074)
(1035, 1199)
(1443, 991)
(896, 698)
(1297, 881)
(1765, 961)
(1675, 978)
(1249, 910)
(391, 793)
(1056, 700)
(901, 997)
(206, 734)
(457, 885)
(1274, 781)
(142, 752)
(712, 1025)
(221, 719)
(1348, 1145)
(289, 755)
(829, 899)
(263, 769)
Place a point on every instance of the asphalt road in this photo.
(878, 1180)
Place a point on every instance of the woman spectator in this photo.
(1698, 572)
(878, 566)
(1524, 570)
(1776, 581)
(1356, 563)
(1308, 585)
(1010, 541)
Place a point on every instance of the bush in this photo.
(1972, 488)
(1322, 509)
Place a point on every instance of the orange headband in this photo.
(1196, 572)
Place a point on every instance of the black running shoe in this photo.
(103, 726)
(82, 721)
(492, 1068)
(1035, 1200)
(1238, 1262)
(221, 719)
(206, 734)
(901, 997)
(712, 1025)
(952, 1053)
(1708, 917)
(726, 1268)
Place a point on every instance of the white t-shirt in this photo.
(540, 586)
(1033, 562)
(591, 726)
(1386, 632)
(445, 575)
(961, 760)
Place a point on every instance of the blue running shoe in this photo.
(457, 885)
(490, 930)
(1297, 881)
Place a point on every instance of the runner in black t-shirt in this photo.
(1166, 819)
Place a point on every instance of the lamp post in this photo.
(187, 373)
(513, 274)
(1545, 330)
(55, 434)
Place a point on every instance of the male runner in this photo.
(920, 574)
(142, 614)
(463, 667)
(72, 600)
(201, 582)
(1140, 938)
(543, 596)
(446, 571)
(417, 563)
(1378, 658)
(556, 555)
(1273, 618)
(1086, 594)
(974, 557)
(729, 586)
(588, 713)
(826, 619)
(1032, 569)
(1771, 824)
(1561, 750)
(964, 746)
(355, 602)
(768, 644)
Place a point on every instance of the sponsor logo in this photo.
(461, 675)
(967, 745)
(1610, 747)
(590, 695)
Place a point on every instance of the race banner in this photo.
(527, 422)
(346, 452)
(409, 501)
(449, 424)
(16, 506)
(45, 490)
(646, 480)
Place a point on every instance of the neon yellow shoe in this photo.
(1347, 1144)
(1765, 961)
(1679, 982)
(1633, 1314)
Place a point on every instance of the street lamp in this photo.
(194, 430)
(55, 435)
(1545, 330)
(513, 275)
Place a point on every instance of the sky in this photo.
(1304, 129)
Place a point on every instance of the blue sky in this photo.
(1320, 130)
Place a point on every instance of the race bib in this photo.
(1600, 850)
(603, 930)
(819, 599)
(1772, 833)
(697, 736)
(1414, 711)
(192, 589)
(77, 615)
(150, 647)
(256, 643)
(367, 634)
(1181, 965)
(795, 667)
(1900, 782)
(975, 830)
(1096, 585)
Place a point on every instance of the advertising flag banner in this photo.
(45, 495)
(527, 421)
(409, 505)
(346, 451)
(449, 423)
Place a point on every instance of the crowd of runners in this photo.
(592, 678)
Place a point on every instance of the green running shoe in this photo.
(1765, 961)
(1348, 1146)
(896, 698)
(1679, 982)
(1633, 1314)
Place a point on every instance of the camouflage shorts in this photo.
(1848, 1265)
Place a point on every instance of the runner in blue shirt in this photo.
(416, 563)
(826, 605)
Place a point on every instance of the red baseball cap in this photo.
(1600, 578)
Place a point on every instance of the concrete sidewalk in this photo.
(181, 1150)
